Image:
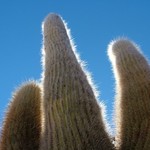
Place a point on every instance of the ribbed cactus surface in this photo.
(132, 72)
(22, 124)
(62, 113)
(72, 115)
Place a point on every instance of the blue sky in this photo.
(93, 25)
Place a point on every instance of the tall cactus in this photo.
(63, 113)
(73, 118)
(132, 73)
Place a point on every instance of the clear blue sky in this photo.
(93, 25)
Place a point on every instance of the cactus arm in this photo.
(132, 73)
(72, 115)
(22, 124)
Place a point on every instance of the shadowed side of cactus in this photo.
(73, 118)
(132, 73)
(22, 123)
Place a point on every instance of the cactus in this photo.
(70, 108)
(132, 73)
(22, 124)
(63, 112)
